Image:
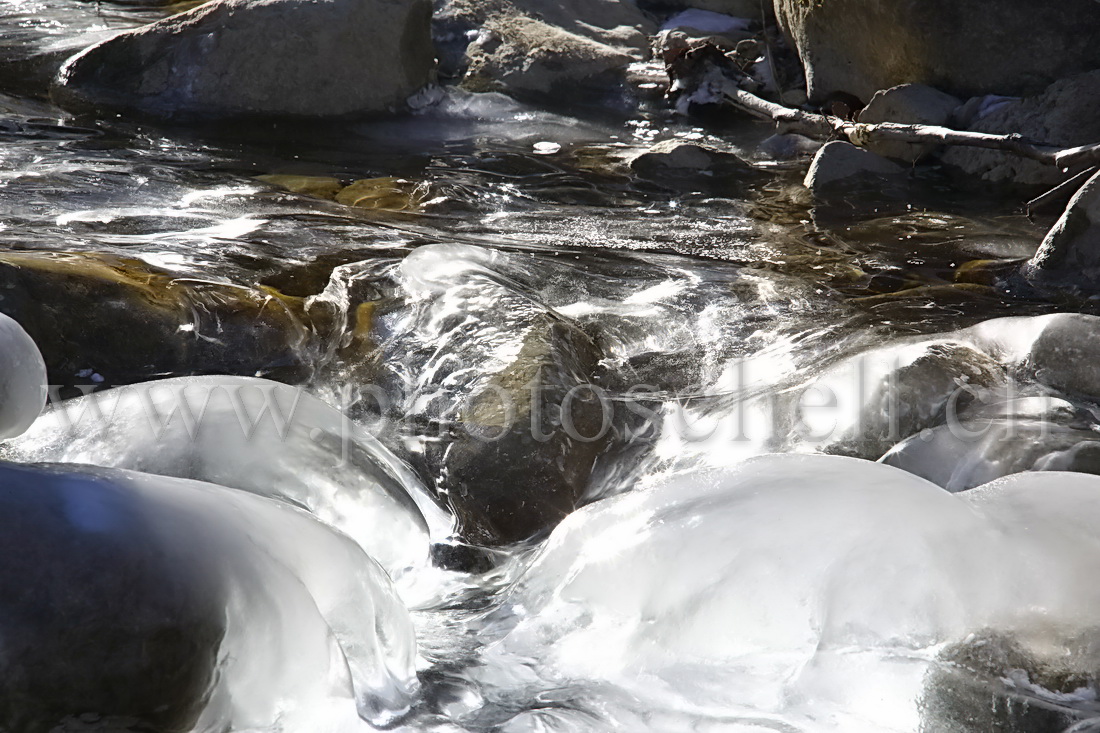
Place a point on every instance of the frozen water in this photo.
(810, 591)
(252, 434)
(22, 379)
(190, 606)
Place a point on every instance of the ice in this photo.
(252, 434)
(706, 21)
(183, 605)
(22, 379)
(807, 591)
(1006, 435)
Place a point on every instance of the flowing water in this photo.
(704, 312)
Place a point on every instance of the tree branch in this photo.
(861, 133)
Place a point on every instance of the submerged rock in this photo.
(137, 602)
(678, 162)
(1069, 257)
(101, 319)
(880, 397)
(966, 49)
(1067, 113)
(228, 58)
(507, 382)
(908, 104)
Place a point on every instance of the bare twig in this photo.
(861, 133)
(1060, 195)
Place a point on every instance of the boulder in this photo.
(507, 422)
(1013, 683)
(1067, 113)
(131, 602)
(845, 176)
(520, 463)
(909, 104)
(965, 48)
(106, 320)
(229, 58)
(531, 59)
(677, 159)
(788, 146)
(1069, 256)
(1066, 355)
(614, 22)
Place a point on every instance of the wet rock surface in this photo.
(966, 49)
(87, 312)
(234, 58)
(909, 104)
(1069, 256)
(1065, 114)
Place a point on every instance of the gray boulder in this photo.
(227, 58)
(677, 159)
(843, 175)
(908, 104)
(531, 59)
(1069, 256)
(1066, 113)
(965, 48)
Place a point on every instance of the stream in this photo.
(762, 424)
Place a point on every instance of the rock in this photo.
(148, 603)
(877, 398)
(324, 187)
(613, 22)
(102, 319)
(1066, 355)
(385, 194)
(789, 146)
(677, 159)
(964, 48)
(101, 614)
(510, 477)
(228, 58)
(1067, 113)
(844, 175)
(1012, 683)
(910, 104)
(1069, 256)
(531, 59)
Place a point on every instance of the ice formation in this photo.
(22, 379)
(187, 606)
(252, 434)
(807, 591)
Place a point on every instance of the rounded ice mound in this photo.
(175, 605)
(811, 590)
(251, 434)
(22, 379)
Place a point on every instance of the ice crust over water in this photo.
(22, 379)
(313, 635)
(807, 589)
(252, 434)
